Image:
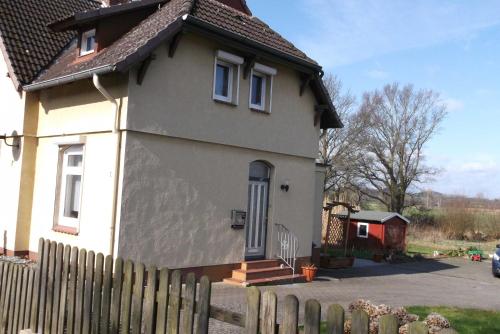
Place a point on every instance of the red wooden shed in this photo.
(376, 230)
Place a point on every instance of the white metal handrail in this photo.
(288, 244)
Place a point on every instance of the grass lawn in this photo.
(465, 321)
(416, 245)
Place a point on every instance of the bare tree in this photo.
(396, 123)
(336, 145)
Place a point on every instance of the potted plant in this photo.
(309, 271)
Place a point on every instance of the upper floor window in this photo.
(87, 42)
(261, 87)
(68, 196)
(226, 77)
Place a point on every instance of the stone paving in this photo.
(453, 282)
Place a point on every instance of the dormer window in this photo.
(87, 42)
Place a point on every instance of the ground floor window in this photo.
(69, 186)
(363, 230)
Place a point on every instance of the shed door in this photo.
(258, 194)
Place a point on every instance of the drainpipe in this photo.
(116, 170)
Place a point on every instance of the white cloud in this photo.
(345, 32)
(377, 74)
(453, 104)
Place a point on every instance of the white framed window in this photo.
(261, 87)
(69, 183)
(87, 42)
(226, 77)
(363, 229)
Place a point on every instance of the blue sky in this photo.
(452, 47)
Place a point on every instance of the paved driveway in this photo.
(453, 282)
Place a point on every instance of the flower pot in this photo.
(309, 273)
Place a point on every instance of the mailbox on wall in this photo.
(238, 219)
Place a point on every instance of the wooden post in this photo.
(116, 297)
(253, 311)
(312, 317)
(388, 324)
(137, 296)
(72, 296)
(188, 303)
(97, 293)
(417, 327)
(335, 319)
(203, 307)
(150, 301)
(59, 318)
(126, 297)
(106, 294)
(174, 304)
(290, 315)
(269, 310)
(360, 322)
(162, 297)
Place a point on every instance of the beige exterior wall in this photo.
(11, 161)
(178, 196)
(175, 99)
(77, 113)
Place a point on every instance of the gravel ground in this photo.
(452, 282)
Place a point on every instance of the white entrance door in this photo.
(256, 218)
(256, 224)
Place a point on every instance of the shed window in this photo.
(87, 43)
(363, 230)
(69, 192)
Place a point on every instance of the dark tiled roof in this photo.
(29, 44)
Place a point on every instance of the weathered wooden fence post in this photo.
(290, 323)
(253, 311)
(269, 312)
(417, 328)
(312, 317)
(360, 322)
(388, 324)
(203, 306)
(335, 319)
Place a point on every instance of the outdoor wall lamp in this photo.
(285, 187)
(15, 143)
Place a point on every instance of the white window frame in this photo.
(367, 230)
(65, 151)
(268, 73)
(83, 42)
(262, 106)
(233, 62)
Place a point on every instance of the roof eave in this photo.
(10, 69)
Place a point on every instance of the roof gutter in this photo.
(70, 78)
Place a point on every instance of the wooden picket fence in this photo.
(75, 291)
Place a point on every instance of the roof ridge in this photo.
(238, 12)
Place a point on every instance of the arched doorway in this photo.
(258, 198)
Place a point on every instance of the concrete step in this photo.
(286, 279)
(252, 274)
(259, 264)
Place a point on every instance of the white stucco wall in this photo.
(318, 204)
(178, 196)
(175, 99)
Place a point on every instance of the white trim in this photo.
(83, 42)
(70, 140)
(265, 69)
(262, 106)
(367, 230)
(229, 57)
(395, 215)
(229, 97)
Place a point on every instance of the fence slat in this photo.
(335, 319)
(29, 298)
(22, 305)
(57, 287)
(290, 315)
(203, 306)
(87, 298)
(448, 331)
(253, 311)
(388, 324)
(3, 282)
(162, 299)
(188, 304)
(72, 284)
(174, 304)
(6, 304)
(360, 322)
(60, 315)
(116, 297)
(127, 297)
(269, 312)
(97, 294)
(36, 288)
(417, 327)
(137, 296)
(12, 302)
(150, 301)
(17, 301)
(79, 292)
(49, 291)
(106, 294)
(44, 269)
(312, 317)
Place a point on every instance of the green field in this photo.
(465, 321)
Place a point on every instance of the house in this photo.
(182, 133)
(376, 230)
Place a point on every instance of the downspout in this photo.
(116, 171)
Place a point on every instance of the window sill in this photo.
(232, 104)
(65, 229)
(260, 111)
